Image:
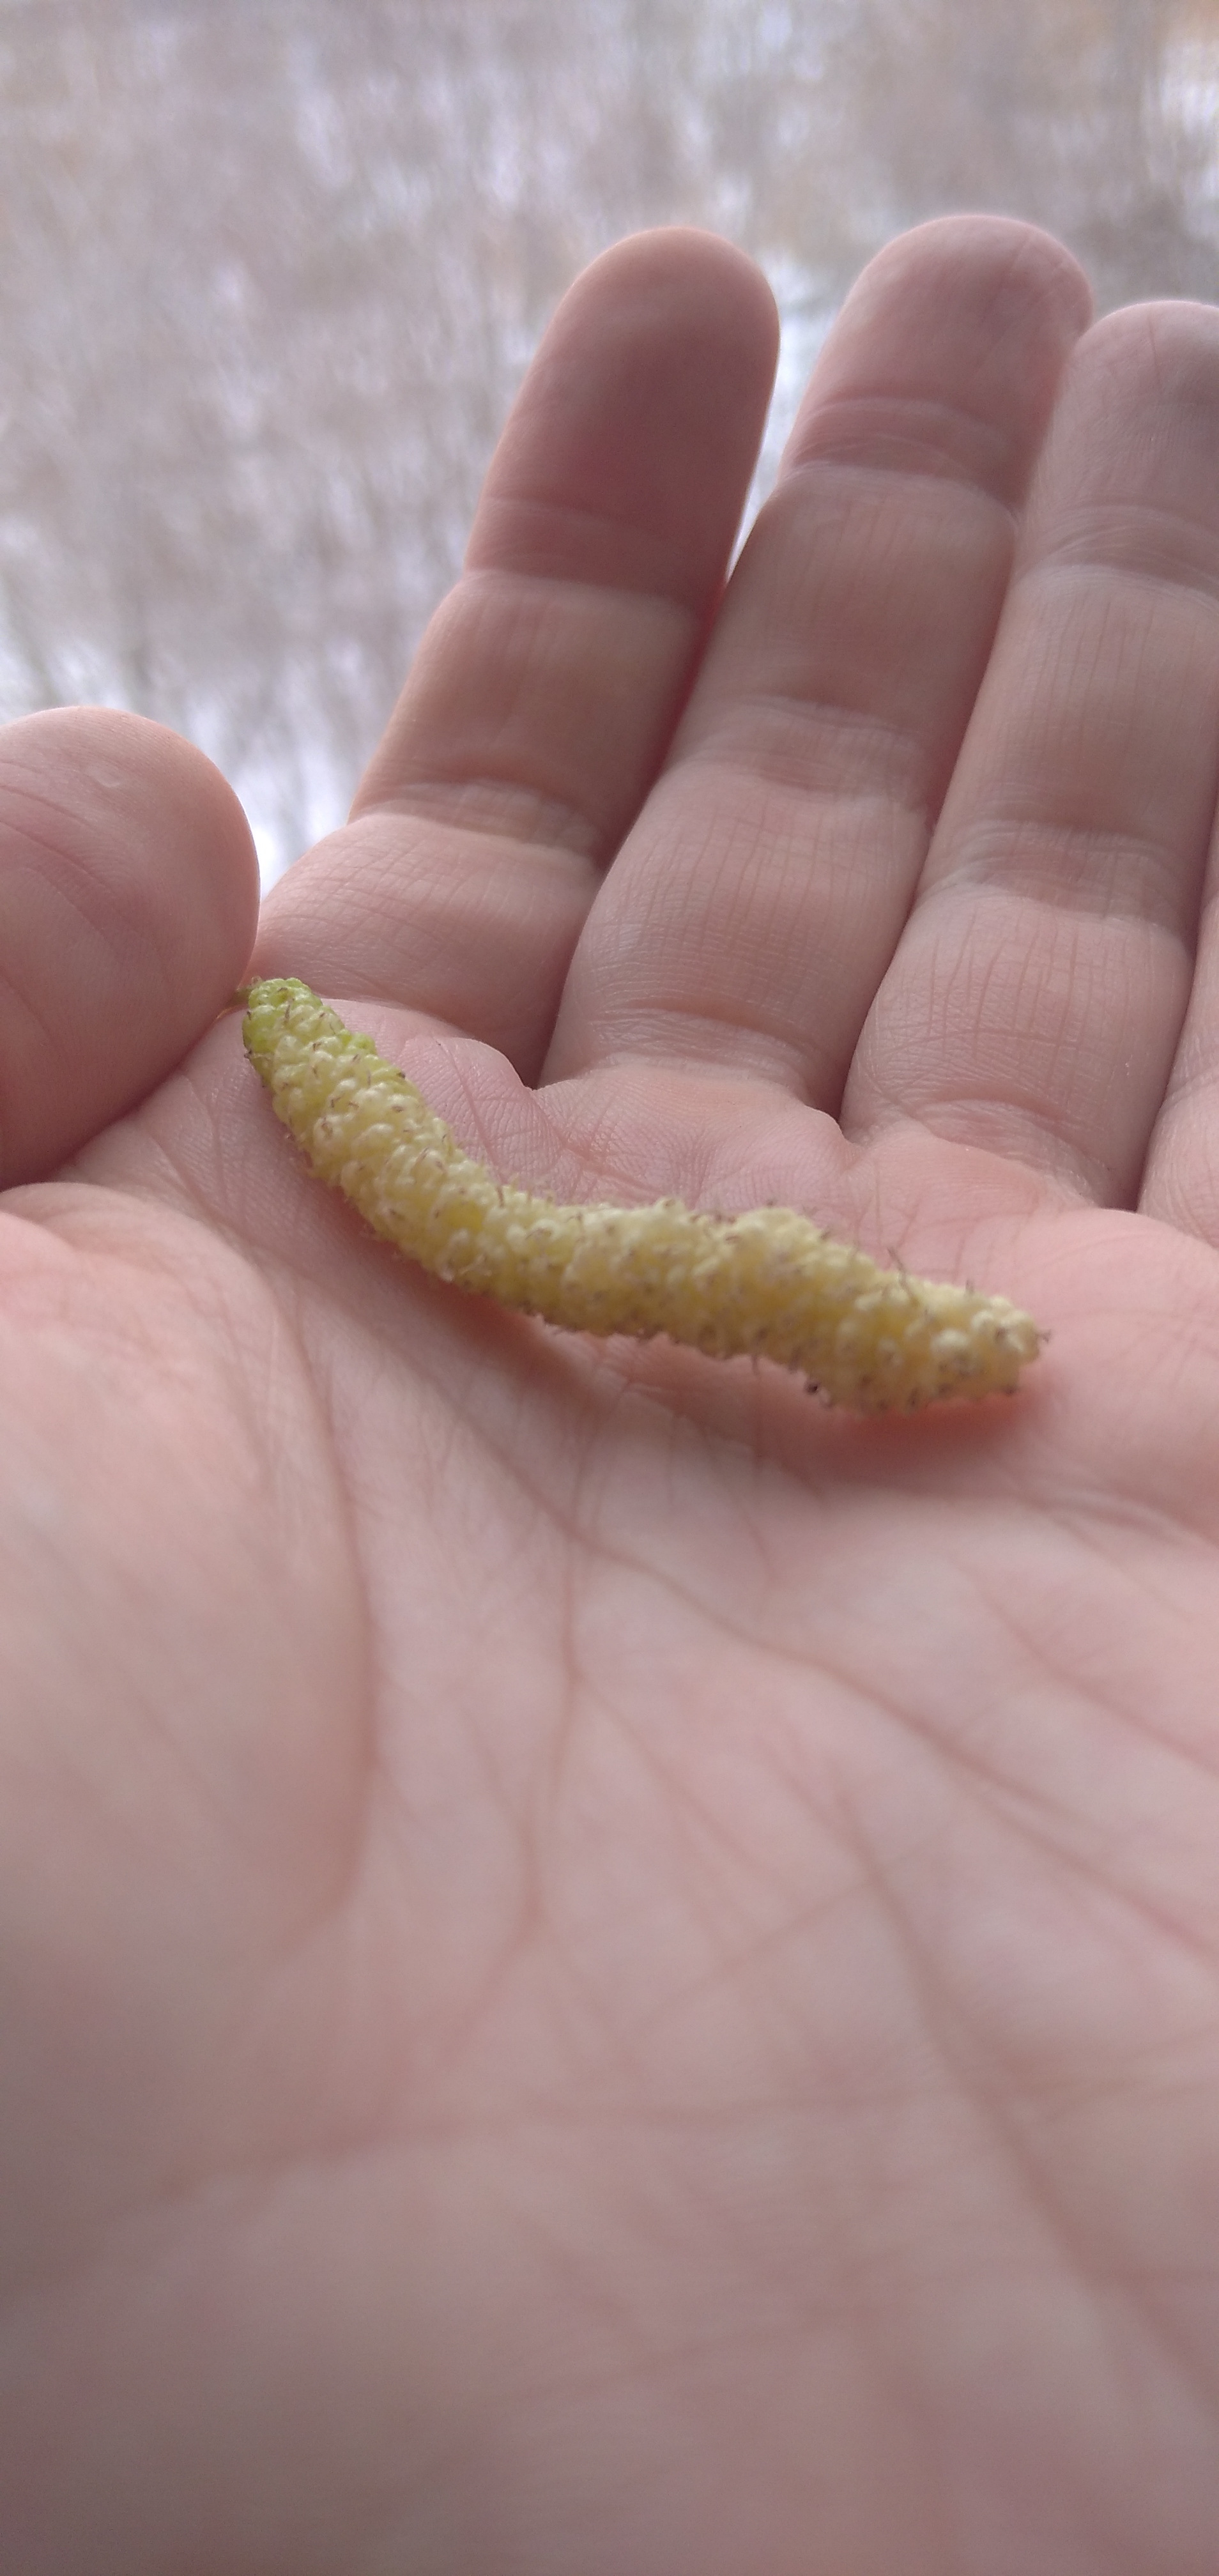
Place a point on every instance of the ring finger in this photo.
(1036, 998)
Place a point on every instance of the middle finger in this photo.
(749, 917)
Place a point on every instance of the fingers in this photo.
(547, 688)
(1036, 998)
(128, 898)
(752, 913)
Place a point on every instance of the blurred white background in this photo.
(272, 268)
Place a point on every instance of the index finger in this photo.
(549, 683)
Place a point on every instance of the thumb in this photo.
(128, 904)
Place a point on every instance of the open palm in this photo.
(604, 1972)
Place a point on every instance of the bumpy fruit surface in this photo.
(769, 1284)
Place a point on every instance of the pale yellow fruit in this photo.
(769, 1284)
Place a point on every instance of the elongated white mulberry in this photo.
(769, 1283)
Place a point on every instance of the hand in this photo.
(604, 1972)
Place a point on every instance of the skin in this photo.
(601, 1969)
